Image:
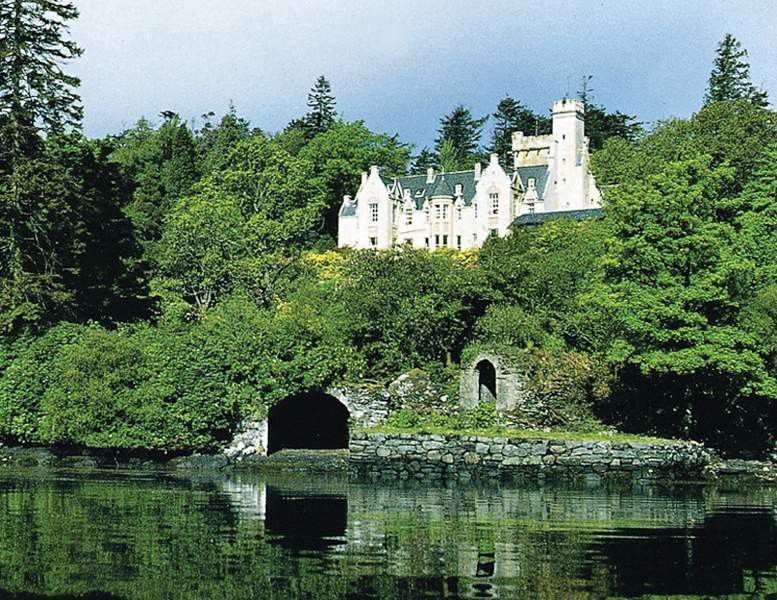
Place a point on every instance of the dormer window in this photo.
(458, 189)
(494, 203)
(419, 192)
(374, 212)
(406, 194)
(531, 182)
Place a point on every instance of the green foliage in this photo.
(36, 95)
(321, 104)
(216, 142)
(463, 132)
(730, 76)
(601, 125)
(733, 132)
(512, 116)
(27, 369)
(341, 153)
(408, 308)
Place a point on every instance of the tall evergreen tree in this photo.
(35, 93)
(730, 76)
(321, 103)
(512, 116)
(39, 198)
(463, 131)
(214, 142)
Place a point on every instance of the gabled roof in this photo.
(540, 175)
(541, 217)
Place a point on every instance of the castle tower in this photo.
(568, 177)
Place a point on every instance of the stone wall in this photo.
(427, 456)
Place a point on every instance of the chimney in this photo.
(430, 175)
(346, 199)
(374, 171)
(364, 177)
(478, 170)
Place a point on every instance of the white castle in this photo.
(461, 209)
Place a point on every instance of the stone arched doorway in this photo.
(486, 376)
(489, 377)
(313, 421)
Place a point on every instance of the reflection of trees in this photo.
(149, 537)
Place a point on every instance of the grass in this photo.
(528, 434)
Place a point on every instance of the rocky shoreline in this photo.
(406, 456)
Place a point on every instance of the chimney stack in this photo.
(364, 177)
(430, 175)
(478, 170)
(374, 170)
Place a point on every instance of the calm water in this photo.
(102, 534)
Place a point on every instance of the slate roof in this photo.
(444, 184)
(541, 217)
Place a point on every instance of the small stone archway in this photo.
(311, 421)
(488, 378)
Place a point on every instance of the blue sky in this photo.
(401, 65)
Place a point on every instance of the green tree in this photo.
(35, 93)
(215, 142)
(408, 308)
(423, 160)
(511, 116)
(160, 166)
(730, 76)
(463, 131)
(734, 132)
(673, 286)
(321, 104)
(341, 153)
(243, 226)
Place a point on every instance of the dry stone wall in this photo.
(427, 456)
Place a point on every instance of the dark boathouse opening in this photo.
(313, 421)
(486, 381)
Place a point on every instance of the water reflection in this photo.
(133, 536)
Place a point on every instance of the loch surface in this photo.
(98, 534)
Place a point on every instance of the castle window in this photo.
(458, 213)
(458, 242)
(437, 212)
(494, 199)
(437, 241)
(409, 215)
(374, 212)
(373, 241)
(426, 242)
(444, 212)
(445, 241)
(476, 210)
(426, 212)
(531, 181)
(493, 232)
(531, 208)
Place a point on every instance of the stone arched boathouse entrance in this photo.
(310, 421)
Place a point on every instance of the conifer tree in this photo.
(321, 103)
(730, 76)
(511, 116)
(463, 131)
(35, 93)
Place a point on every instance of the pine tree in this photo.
(730, 76)
(35, 93)
(464, 132)
(321, 103)
(511, 116)
(425, 159)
